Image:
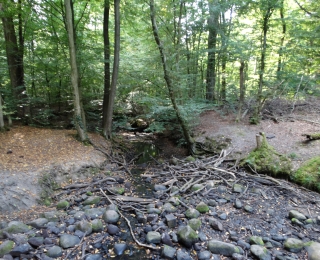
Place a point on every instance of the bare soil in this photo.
(285, 135)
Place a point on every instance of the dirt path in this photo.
(26, 153)
(285, 136)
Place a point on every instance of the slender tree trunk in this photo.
(14, 51)
(79, 120)
(167, 77)
(265, 29)
(242, 88)
(213, 23)
(284, 29)
(1, 114)
(107, 74)
(107, 131)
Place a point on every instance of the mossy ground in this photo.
(308, 175)
(265, 159)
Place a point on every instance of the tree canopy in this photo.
(217, 52)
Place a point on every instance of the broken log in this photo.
(314, 136)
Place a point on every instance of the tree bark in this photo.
(242, 88)
(107, 130)
(265, 28)
(79, 119)
(284, 30)
(167, 77)
(14, 52)
(213, 23)
(1, 114)
(107, 74)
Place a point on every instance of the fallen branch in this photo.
(128, 222)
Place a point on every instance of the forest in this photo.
(92, 95)
(99, 65)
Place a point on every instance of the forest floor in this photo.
(27, 153)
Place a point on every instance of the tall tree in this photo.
(79, 119)
(168, 79)
(107, 115)
(14, 51)
(1, 114)
(213, 23)
(107, 74)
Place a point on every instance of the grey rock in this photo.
(54, 252)
(194, 223)
(15, 227)
(223, 216)
(94, 213)
(204, 255)
(260, 252)
(6, 247)
(237, 188)
(297, 215)
(97, 225)
(63, 204)
(236, 256)
(110, 216)
(187, 236)
(112, 229)
(67, 241)
(92, 200)
(36, 241)
(168, 252)
(38, 223)
(297, 222)
(53, 216)
(248, 208)
(3, 224)
(313, 250)
(192, 213)
(171, 220)
(153, 237)
(202, 207)
(222, 248)
(174, 237)
(159, 187)
(293, 245)
(168, 207)
(94, 257)
(212, 203)
(202, 236)
(153, 211)
(84, 226)
(181, 255)
(119, 248)
(79, 215)
(21, 249)
(255, 240)
(215, 224)
(165, 239)
(238, 204)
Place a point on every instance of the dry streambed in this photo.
(201, 209)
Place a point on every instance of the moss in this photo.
(6, 247)
(202, 207)
(63, 204)
(308, 175)
(265, 159)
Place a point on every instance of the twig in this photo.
(128, 222)
(85, 233)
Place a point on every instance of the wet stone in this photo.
(67, 241)
(223, 216)
(97, 225)
(54, 252)
(216, 224)
(38, 223)
(36, 241)
(92, 200)
(313, 251)
(171, 220)
(204, 255)
(297, 215)
(222, 248)
(79, 215)
(248, 209)
(165, 239)
(202, 207)
(112, 229)
(168, 207)
(237, 188)
(192, 213)
(168, 252)
(293, 245)
(153, 237)
(255, 240)
(21, 249)
(238, 204)
(187, 236)
(119, 248)
(84, 226)
(94, 257)
(110, 216)
(260, 252)
(181, 255)
(6, 247)
(94, 213)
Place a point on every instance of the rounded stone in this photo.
(54, 252)
(110, 216)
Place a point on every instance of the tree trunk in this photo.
(265, 29)
(284, 29)
(242, 88)
(213, 23)
(107, 130)
(14, 51)
(107, 75)
(167, 77)
(1, 114)
(79, 119)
